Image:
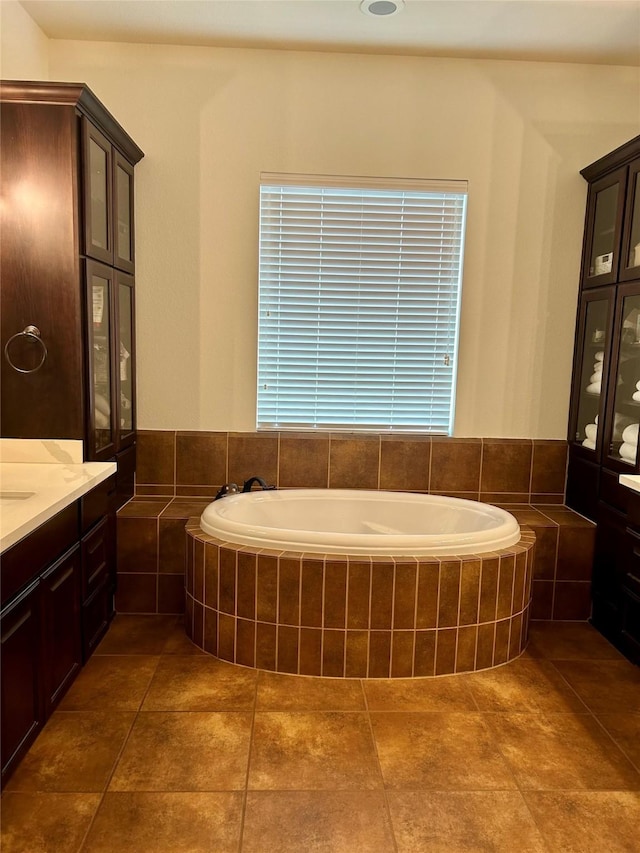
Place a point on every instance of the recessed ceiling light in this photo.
(381, 8)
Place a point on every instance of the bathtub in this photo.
(360, 523)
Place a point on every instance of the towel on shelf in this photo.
(630, 434)
(596, 387)
(598, 365)
(599, 356)
(620, 423)
(638, 385)
(595, 377)
(588, 443)
(628, 452)
(636, 396)
(591, 431)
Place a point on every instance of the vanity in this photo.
(57, 566)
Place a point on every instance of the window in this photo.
(359, 301)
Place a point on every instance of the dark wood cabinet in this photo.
(604, 419)
(67, 183)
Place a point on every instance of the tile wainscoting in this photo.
(179, 472)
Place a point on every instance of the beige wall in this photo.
(210, 120)
(24, 48)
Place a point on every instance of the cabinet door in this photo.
(100, 340)
(590, 371)
(603, 230)
(61, 633)
(623, 406)
(630, 258)
(20, 665)
(98, 194)
(123, 257)
(125, 373)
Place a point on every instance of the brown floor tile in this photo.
(137, 635)
(185, 752)
(45, 823)
(587, 822)
(291, 693)
(438, 751)
(177, 642)
(112, 683)
(523, 686)
(166, 823)
(463, 822)
(569, 641)
(316, 822)
(75, 752)
(604, 686)
(625, 730)
(321, 750)
(200, 683)
(449, 693)
(561, 752)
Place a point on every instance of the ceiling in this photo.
(585, 31)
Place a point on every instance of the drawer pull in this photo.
(633, 577)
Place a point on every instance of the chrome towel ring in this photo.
(32, 332)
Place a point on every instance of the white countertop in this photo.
(33, 492)
(631, 481)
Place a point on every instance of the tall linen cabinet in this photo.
(67, 265)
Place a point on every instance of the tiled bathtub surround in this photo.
(495, 470)
(357, 617)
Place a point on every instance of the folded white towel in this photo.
(588, 443)
(620, 423)
(599, 356)
(591, 431)
(102, 405)
(638, 385)
(630, 434)
(628, 452)
(102, 421)
(598, 366)
(636, 396)
(596, 387)
(596, 377)
(596, 419)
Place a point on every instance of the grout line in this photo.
(246, 782)
(383, 788)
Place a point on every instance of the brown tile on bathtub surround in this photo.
(246, 592)
(195, 585)
(172, 542)
(488, 589)
(455, 465)
(405, 463)
(544, 563)
(335, 594)
(486, 644)
(246, 642)
(41, 823)
(505, 586)
(266, 646)
(155, 458)
(226, 637)
(575, 553)
(466, 648)
(549, 466)
(203, 493)
(289, 591)
(227, 574)
(427, 592)
(449, 598)
(211, 571)
(210, 631)
(572, 600)
(171, 594)
(311, 593)
(310, 651)
(506, 465)
(379, 654)
(501, 648)
(252, 455)
(185, 508)
(144, 507)
(519, 582)
(404, 596)
(267, 588)
(424, 653)
(137, 593)
(446, 651)
(198, 624)
(137, 544)
(357, 654)
(288, 643)
(304, 461)
(402, 654)
(201, 458)
(469, 592)
(333, 653)
(515, 637)
(381, 597)
(542, 599)
(354, 461)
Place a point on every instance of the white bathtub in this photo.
(359, 523)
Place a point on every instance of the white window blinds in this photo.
(359, 300)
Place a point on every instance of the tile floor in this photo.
(158, 748)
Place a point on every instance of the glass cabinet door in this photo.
(591, 367)
(98, 193)
(604, 219)
(623, 415)
(125, 361)
(99, 306)
(630, 268)
(123, 213)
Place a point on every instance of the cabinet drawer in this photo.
(95, 619)
(95, 558)
(631, 626)
(95, 503)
